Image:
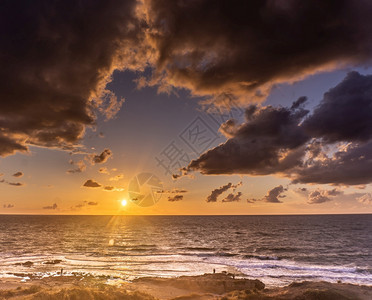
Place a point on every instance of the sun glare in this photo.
(124, 202)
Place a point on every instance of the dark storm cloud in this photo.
(175, 198)
(101, 158)
(232, 197)
(343, 116)
(18, 174)
(351, 165)
(54, 206)
(332, 145)
(345, 113)
(217, 192)
(91, 184)
(270, 141)
(240, 48)
(56, 58)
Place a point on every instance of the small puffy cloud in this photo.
(11, 183)
(84, 204)
(117, 177)
(54, 206)
(272, 195)
(175, 198)
(232, 197)
(103, 170)
(8, 206)
(213, 197)
(110, 188)
(322, 196)
(174, 191)
(365, 199)
(101, 158)
(91, 184)
(80, 167)
(18, 174)
(15, 183)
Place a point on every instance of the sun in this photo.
(124, 202)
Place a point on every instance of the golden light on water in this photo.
(124, 202)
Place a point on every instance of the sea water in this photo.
(275, 249)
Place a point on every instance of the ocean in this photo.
(275, 249)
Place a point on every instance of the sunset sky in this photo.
(238, 107)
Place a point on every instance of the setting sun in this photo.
(124, 202)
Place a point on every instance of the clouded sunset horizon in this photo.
(166, 138)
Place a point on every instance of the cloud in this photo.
(56, 60)
(332, 145)
(240, 49)
(8, 206)
(11, 183)
(18, 174)
(345, 112)
(175, 198)
(272, 196)
(350, 165)
(84, 204)
(91, 184)
(80, 167)
(232, 197)
(365, 199)
(344, 118)
(57, 57)
(213, 197)
(270, 141)
(174, 191)
(321, 196)
(101, 158)
(117, 177)
(16, 183)
(54, 206)
(103, 170)
(110, 188)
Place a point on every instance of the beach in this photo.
(207, 286)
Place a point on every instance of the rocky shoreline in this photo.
(221, 286)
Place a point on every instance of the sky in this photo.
(185, 107)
